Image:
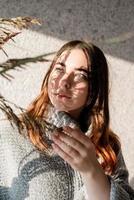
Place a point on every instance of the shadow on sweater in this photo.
(132, 182)
(28, 169)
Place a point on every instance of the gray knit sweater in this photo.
(25, 173)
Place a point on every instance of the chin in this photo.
(62, 109)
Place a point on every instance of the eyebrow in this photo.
(79, 69)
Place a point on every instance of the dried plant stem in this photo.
(19, 23)
(25, 121)
(20, 63)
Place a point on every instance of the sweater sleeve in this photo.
(120, 188)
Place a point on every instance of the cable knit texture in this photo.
(26, 173)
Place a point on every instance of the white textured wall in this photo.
(109, 24)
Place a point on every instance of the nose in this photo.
(65, 82)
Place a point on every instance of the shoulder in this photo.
(9, 131)
(5, 124)
(11, 138)
(114, 141)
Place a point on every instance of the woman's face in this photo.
(68, 82)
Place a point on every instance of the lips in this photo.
(62, 95)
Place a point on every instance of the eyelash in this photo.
(82, 76)
(58, 68)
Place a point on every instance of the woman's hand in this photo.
(75, 148)
(78, 150)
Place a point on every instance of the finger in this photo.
(65, 146)
(77, 134)
(62, 154)
(72, 142)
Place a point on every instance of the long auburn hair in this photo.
(96, 111)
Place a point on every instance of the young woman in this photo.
(86, 160)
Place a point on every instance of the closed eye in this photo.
(80, 77)
(60, 64)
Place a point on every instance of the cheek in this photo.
(82, 89)
(53, 81)
(81, 94)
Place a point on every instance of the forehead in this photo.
(75, 58)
